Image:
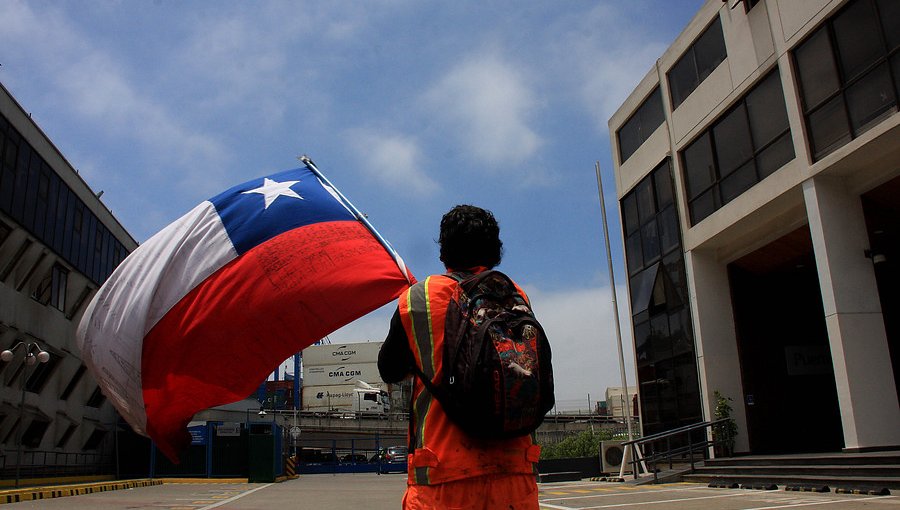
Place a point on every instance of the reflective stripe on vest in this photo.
(426, 338)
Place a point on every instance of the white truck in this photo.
(346, 400)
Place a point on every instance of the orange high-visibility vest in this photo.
(440, 451)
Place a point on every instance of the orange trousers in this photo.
(490, 492)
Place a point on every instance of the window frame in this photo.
(843, 116)
(677, 96)
(709, 196)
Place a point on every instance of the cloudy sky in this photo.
(409, 107)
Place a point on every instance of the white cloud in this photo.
(395, 158)
(581, 328)
(91, 84)
(603, 55)
(485, 104)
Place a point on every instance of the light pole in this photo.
(31, 357)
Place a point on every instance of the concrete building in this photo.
(616, 400)
(58, 243)
(757, 169)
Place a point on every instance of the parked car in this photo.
(393, 460)
(354, 458)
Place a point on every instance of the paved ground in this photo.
(371, 491)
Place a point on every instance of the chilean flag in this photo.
(204, 310)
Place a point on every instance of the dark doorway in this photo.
(788, 376)
(882, 210)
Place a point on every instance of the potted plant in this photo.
(724, 432)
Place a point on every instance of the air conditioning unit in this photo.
(612, 454)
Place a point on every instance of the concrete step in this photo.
(833, 470)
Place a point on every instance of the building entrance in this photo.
(882, 212)
(787, 373)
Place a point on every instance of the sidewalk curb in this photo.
(35, 493)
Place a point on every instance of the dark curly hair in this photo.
(470, 237)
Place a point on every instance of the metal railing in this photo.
(39, 463)
(680, 444)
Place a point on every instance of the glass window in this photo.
(643, 122)
(41, 202)
(828, 127)
(31, 191)
(889, 11)
(630, 213)
(650, 241)
(60, 229)
(816, 68)
(766, 111)
(662, 184)
(858, 38)
(738, 182)
(64, 439)
(839, 105)
(60, 281)
(775, 156)
(634, 253)
(660, 349)
(669, 233)
(5, 230)
(629, 137)
(641, 343)
(870, 98)
(704, 205)
(41, 374)
(73, 382)
(642, 289)
(698, 165)
(697, 63)
(21, 186)
(754, 132)
(69, 227)
(732, 138)
(35, 433)
(652, 115)
(645, 202)
(710, 49)
(895, 68)
(657, 293)
(683, 78)
(50, 224)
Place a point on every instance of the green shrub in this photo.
(584, 444)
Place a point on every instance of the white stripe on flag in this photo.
(145, 286)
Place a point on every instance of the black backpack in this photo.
(497, 375)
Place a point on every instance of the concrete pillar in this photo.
(715, 338)
(870, 413)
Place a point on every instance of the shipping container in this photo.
(332, 375)
(336, 354)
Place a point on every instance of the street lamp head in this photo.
(43, 356)
(30, 359)
(6, 355)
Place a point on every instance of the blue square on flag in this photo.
(262, 209)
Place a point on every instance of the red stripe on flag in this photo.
(220, 341)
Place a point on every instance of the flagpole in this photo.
(612, 282)
(359, 216)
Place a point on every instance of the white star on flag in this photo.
(270, 190)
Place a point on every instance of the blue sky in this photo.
(409, 107)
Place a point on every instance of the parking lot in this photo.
(384, 492)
